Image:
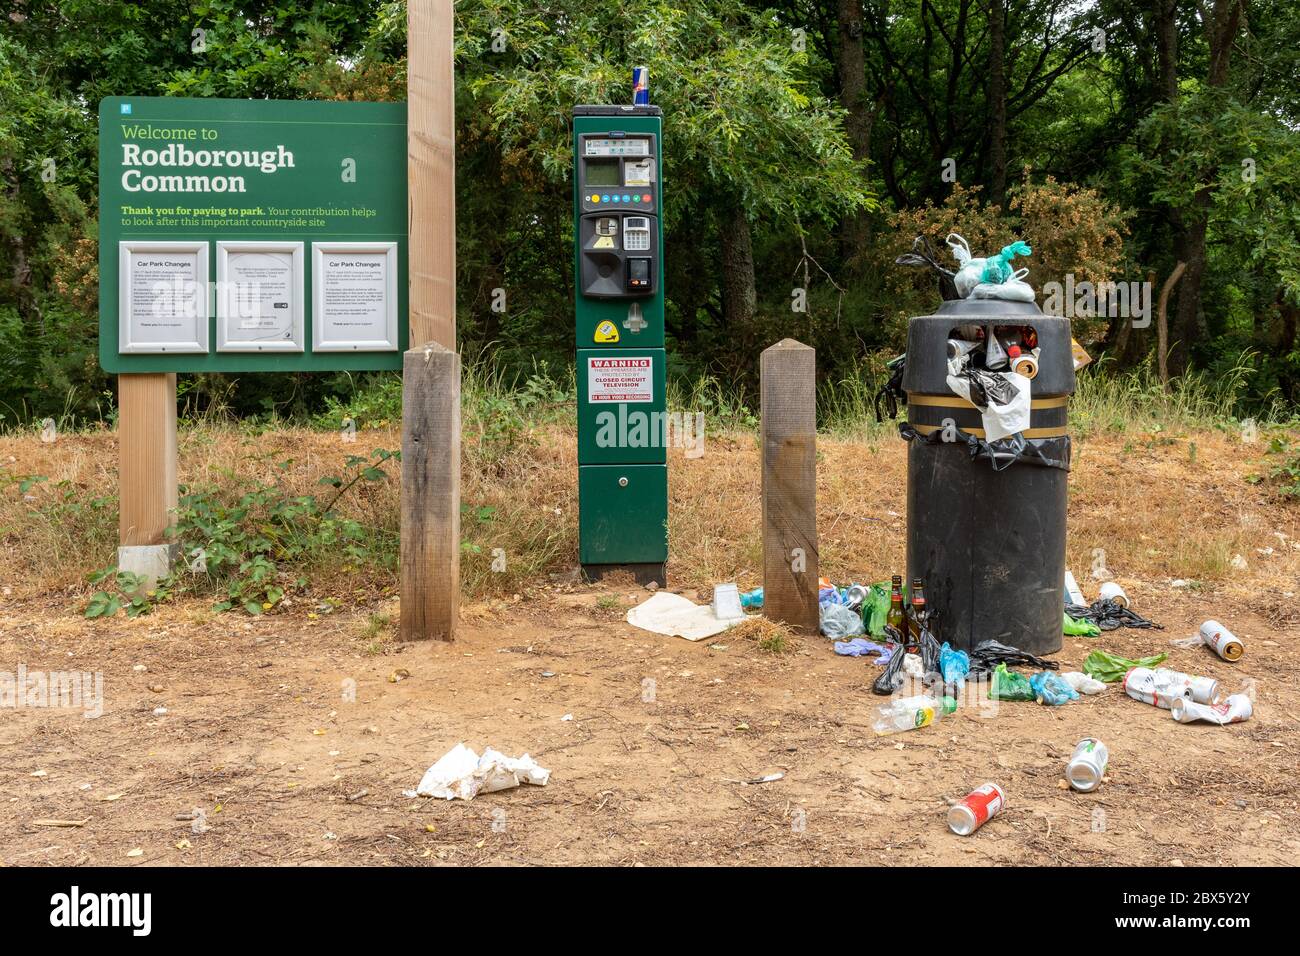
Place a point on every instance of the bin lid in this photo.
(992, 308)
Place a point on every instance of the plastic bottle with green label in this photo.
(909, 713)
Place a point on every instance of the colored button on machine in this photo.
(627, 198)
(604, 199)
(646, 197)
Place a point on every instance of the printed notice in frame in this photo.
(162, 297)
(259, 296)
(354, 296)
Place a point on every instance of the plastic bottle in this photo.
(909, 713)
(752, 598)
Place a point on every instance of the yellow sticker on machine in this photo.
(606, 332)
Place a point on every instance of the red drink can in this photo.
(976, 809)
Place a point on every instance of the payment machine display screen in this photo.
(618, 147)
(603, 174)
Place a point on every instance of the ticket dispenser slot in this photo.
(618, 224)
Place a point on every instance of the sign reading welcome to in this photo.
(251, 235)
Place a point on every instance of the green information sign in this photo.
(251, 235)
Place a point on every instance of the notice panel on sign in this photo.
(163, 297)
(259, 296)
(620, 379)
(355, 296)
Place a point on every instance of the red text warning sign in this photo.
(620, 379)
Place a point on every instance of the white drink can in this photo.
(1233, 710)
(1226, 644)
(1152, 687)
(1205, 690)
(1110, 591)
(1088, 765)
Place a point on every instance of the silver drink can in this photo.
(1088, 765)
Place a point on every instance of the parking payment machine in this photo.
(619, 314)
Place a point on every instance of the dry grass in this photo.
(770, 637)
(1142, 499)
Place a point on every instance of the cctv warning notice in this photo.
(620, 379)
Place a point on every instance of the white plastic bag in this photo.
(1000, 421)
(1082, 683)
(461, 774)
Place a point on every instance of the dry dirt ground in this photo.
(261, 736)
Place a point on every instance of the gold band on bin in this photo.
(955, 401)
(979, 432)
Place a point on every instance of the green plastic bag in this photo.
(1008, 685)
(997, 269)
(1079, 628)
(1109, 668)
(875, 608)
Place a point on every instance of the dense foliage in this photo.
(807, 142)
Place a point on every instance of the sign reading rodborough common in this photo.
(251, 235)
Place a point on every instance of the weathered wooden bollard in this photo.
(789, 446)
(430, 584)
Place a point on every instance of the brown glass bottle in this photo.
(897, 617)
(918, 617)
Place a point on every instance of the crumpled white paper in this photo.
(461, 774)
(671, 614)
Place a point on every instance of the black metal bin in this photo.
(986, 520)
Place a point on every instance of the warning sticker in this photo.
(620, 379)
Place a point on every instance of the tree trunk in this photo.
(1290, 321)
(1165, 16)
(998, 104)
(1162, 323)
(1190, 248)
(1221, 23)
(739, 298)
(855, 230)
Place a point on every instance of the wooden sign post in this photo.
(430, 584)
(146, 437)
(788, 386)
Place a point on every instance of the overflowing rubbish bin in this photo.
(986, 480)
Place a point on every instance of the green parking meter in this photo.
(619, 321)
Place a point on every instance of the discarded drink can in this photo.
(1233, 710)
(1110, 591)
(958, 348)
(1226, 644)
(1205, 690)
(1152, 687)
(976, 809)
(1026, 365)
(1088, 765)
(640, 86)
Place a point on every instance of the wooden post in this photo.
(146, 437)
(789, 440)
(431, 171)
(430, 585)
